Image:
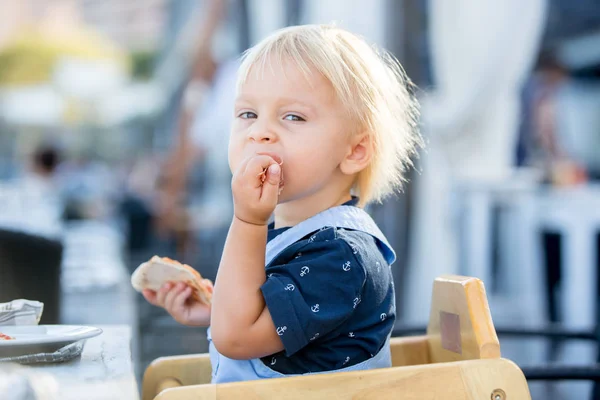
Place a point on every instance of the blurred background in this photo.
(114, 121)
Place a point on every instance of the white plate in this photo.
(42, 338)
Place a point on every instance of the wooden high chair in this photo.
(458, 358)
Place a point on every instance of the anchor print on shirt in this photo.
(312, 238)
(273, 361)
(315, 308)
(354, 250)
(346, 266)
(383, 317)
(298, 255)
(304, 271)
(281, 330)
(356, 302)
(346, 360)
(351, 334)
(289, 287)
(315, 337)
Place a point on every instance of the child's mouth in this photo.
(274, 156)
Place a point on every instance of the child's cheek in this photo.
(233, 155)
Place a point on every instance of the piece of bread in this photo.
(155, 273)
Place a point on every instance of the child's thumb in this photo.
(274, 174)
(270, 189)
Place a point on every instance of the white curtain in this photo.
(364, 18)
(481, 52)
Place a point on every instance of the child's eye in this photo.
(293, 117)
(248, 115)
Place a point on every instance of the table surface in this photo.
(104, 370)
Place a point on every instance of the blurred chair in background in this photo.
(30, 269)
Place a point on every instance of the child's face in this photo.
(296, 120)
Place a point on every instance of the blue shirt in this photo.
(332, 292)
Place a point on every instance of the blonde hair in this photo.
(369, 82)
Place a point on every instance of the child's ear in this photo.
(359, 154)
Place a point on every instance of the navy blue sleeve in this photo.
(314, 293)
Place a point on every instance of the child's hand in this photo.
(178, 301)
(255, 187)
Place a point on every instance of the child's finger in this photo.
(270, 189)
(241, 169)
(208, 285)
(172, 294)
(256, 167)
(181, 297)
(150, 296)
(162, 294)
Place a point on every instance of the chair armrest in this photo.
(168, 372)
(412, 350)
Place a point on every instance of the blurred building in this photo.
(135, 25)
(14, 15)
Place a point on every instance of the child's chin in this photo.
(284, 197)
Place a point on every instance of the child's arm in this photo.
(241, 325)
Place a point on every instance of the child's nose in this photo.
(262, 135)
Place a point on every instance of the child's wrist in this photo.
(250, 222)
(197, 323)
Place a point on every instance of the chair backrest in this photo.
(460, 324)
